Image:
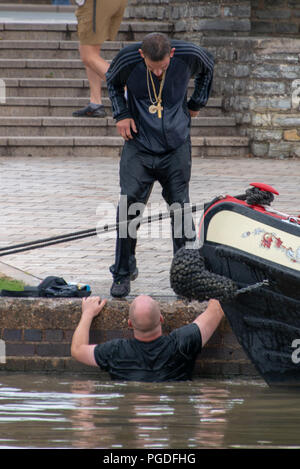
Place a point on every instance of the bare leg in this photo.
(90, 56)
(96, 67)
(95, 86)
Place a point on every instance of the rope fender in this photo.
(190, 279)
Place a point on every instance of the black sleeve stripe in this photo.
(188, 48)
(204, 56)
(121, 61)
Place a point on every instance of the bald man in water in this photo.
(149, 356)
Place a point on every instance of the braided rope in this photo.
(190, 279)
(256, 196)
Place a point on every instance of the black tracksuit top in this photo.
(128, 69)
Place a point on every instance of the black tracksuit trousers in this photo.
(139, 169)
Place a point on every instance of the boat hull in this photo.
(249, 245)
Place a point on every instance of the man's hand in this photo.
(125, 127)
(193, 113)
(92, 305)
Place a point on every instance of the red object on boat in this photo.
(264, 187)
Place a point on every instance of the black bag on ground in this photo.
(50, 287)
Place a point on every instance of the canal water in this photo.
(67, 411)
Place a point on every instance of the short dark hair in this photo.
(156, 46)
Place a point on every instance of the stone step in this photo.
(87, 127)
(28, 3)
(49, 87)
(235, 147)
(18, 49)
(54, 87)
(63, 107)
(128, 31)
(46, 81)
(38, 68)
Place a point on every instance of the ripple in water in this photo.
(67, 411)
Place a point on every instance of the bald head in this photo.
(145, 316)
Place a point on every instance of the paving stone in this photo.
(59, 195)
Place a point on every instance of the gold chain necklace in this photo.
(156, 105)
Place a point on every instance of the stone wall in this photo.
(275, 17)
(37, 334)
(257, 17)
(259, 81)
(195, 18)
(226, 17)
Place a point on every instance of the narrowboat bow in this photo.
(249, 259)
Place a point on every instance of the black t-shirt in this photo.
(168, 358)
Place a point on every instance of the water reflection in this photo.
(139, 415)
(62, 411)
(268, 418)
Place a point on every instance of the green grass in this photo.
(7, 283)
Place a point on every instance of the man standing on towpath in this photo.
(154, 116)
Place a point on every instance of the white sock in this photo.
(94, 105)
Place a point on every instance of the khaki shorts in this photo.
(109, 15)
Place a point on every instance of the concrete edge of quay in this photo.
(36, 334)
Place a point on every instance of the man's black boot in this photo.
(120, 287)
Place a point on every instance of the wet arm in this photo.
(209, 320)
(80, 348)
